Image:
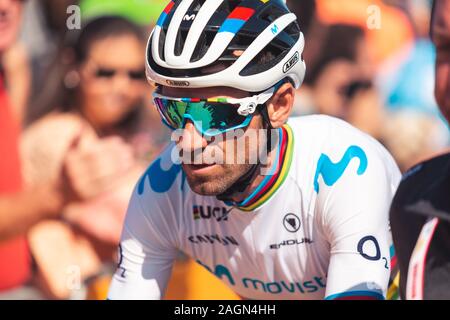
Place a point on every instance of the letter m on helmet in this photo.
(189, 17)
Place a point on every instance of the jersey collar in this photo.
(278, 173)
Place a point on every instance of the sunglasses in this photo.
(210, 117)
(106, 73)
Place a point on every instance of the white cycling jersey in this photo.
(321, 230)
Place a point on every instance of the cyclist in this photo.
(309, 221)
(420, 210)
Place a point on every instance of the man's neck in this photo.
(259, 174)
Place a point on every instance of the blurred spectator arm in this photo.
(21, 211)
(17, 71)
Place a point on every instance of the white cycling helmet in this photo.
(249, 45)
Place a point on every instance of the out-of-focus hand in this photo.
(95, 166)
(103, 216)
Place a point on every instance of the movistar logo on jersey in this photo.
(331, 172)
(276, 287)
(160, 180)
(209, 212)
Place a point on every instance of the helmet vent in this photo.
(230, 5)
(179, 43)
(239, 43)
(203, 44)
(162, 40)
(273, 53)
(271, 13)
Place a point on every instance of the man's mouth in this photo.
(198, 168)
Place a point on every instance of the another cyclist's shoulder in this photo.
(421, 180)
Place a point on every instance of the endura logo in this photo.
(291, 242)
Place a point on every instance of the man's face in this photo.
(441, 38)
(214, 179)
(10, 19)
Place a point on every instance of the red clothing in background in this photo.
(14, 254)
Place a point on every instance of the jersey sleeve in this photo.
(355, 219)
(147, 250)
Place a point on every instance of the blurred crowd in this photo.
(79, 115)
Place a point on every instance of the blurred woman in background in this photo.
(340, 83)
(94, 101)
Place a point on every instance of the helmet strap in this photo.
(246, 179)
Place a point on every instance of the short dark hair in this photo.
(101, 28)
(305, 10)
(339, 43)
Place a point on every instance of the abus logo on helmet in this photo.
(292, 61)
(178, 83)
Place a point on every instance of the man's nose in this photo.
(191, 139)
(121, 83)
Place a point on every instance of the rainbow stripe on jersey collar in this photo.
(277, 176)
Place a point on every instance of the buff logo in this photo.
(178, 83)
(291, 63)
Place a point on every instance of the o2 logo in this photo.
(373, 256)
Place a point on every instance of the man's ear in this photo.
(279, 107)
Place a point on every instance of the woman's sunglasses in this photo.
(210, 116)
(107, 73)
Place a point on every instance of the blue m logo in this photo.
(274, 29)
(331, 172)
(160, 180)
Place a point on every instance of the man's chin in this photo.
(205, 188)
(205, 180)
